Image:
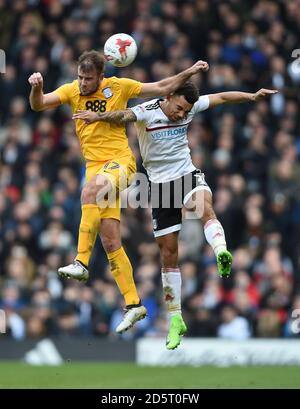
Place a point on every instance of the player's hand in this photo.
(263, 92)
(36, 80)
(87, 116)
(199, 66)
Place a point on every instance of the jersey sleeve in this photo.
(65, 92)
(140, 112)
(130, 88)
(201, 105)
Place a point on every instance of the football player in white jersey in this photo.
(162, 133)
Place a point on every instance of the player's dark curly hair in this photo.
(91, 59)
(189, 91)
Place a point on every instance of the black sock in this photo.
(83, 265)
(128, 307)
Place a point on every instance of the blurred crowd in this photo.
(249, 154)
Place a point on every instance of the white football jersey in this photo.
(164, 144)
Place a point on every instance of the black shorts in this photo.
(167, 200)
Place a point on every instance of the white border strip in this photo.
(218, 352)
(167, 230)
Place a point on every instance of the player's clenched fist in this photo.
(36, 80)
(199, 66)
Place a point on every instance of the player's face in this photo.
(89, 81)
(177, 108)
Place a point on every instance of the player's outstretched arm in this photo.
(169, 85)
(237, 97)
(37, 99)
(118, 117)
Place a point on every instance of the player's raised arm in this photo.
(38, 100)
(237, 97)
(118, 117)
(169, 85)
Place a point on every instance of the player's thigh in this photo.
(120, 172)
(95, 189)
(94, 183)
(200, 202)
(166, 216)
(199, 198)
(166, 220)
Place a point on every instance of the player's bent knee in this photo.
(196, 203)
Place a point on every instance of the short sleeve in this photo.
(64, 92)
(130, 88)
(140, 112)
(202, 104)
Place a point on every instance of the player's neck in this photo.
(164, 107)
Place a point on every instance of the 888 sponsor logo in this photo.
(96, 105)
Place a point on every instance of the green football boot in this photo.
(224, 261)
(176, 331)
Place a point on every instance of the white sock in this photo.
(171, 281)
(215, 235)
